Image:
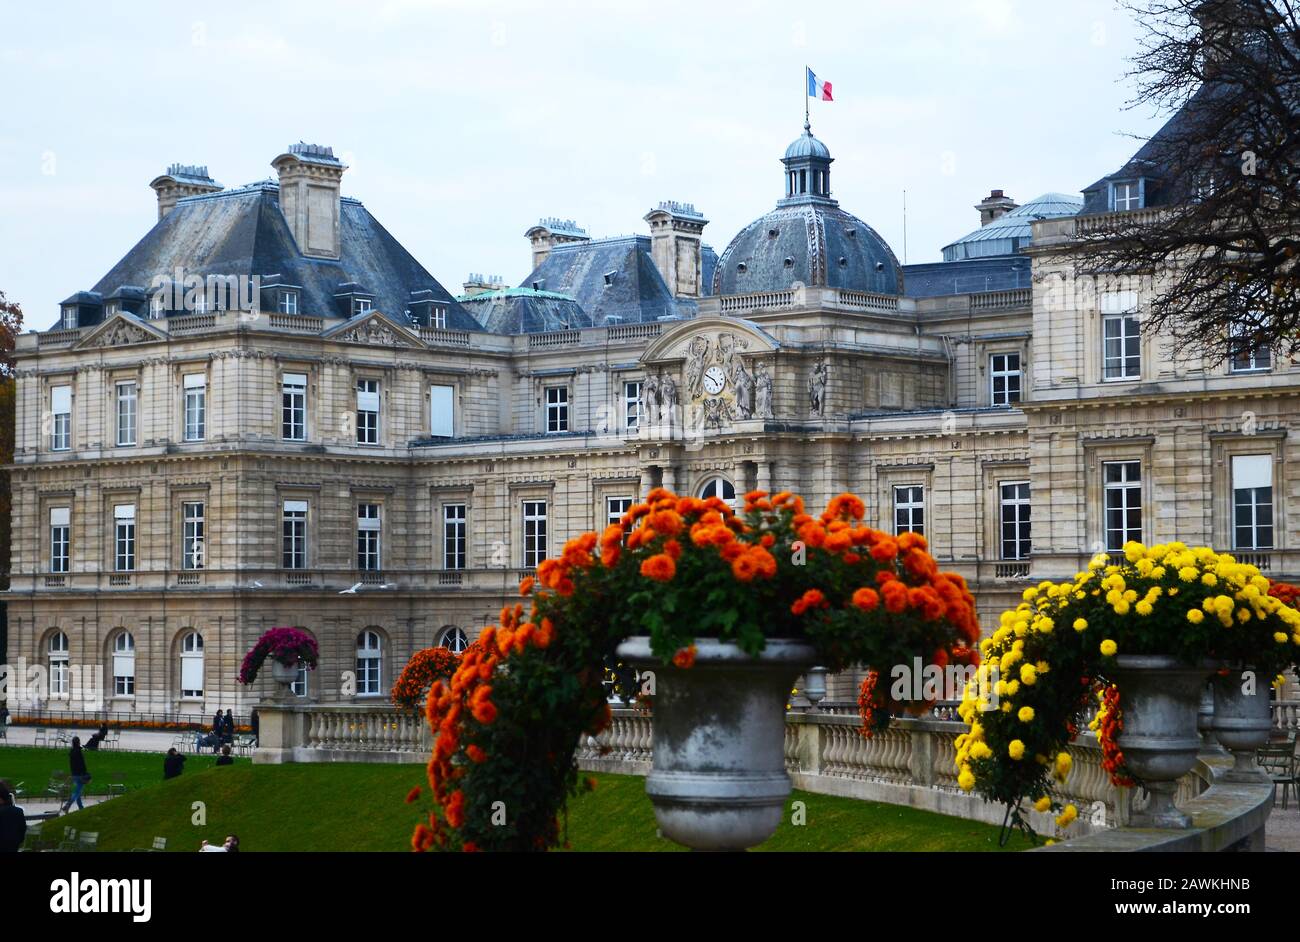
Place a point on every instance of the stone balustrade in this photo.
(909, 763)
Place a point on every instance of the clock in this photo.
(714, 380)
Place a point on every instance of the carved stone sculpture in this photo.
(763, 387)
(817, 388)
(696, 355)
(744, 391)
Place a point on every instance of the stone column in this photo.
(670, 478)
(764, 470)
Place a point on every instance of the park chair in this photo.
(114, 740)
(32, 839)
(88, 840)
(244, 744)
(116, 784)
(159, 844)
(62, 738)
(69, 841)
(1278, 762)
(60, 786)
(42, 737)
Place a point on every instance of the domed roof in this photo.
(807, 146)
(1011, 232)
(815, 243)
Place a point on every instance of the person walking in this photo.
(173, 764)
(80, 776)
(13, 823)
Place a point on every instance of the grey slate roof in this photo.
(971, 276)
(241, 232)
(610, 279)
(816, 243)
(708, 265)
(525, 311)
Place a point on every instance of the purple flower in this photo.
(288, 646)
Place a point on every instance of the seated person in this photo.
(225, 757)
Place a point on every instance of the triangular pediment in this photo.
(375, 329)
(120, 330)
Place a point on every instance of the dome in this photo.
(1011, 232)
(813, 242)
(807, 146)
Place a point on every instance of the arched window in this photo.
(192, 666)
(57, 649)
(370, 653)
(719, 487)
(453, 639)
(124, 665)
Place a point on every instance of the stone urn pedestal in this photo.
(1159, 697)
(284, 675)
(1242, 720)
(718, 779)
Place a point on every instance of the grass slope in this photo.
(33, 767)
(359, 807)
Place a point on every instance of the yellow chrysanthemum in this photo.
(966, 780)
(1043, 804)
(1016, 749)
(1067, 816)
(1109, 647)
(1195, 616)
(1025, 714)
(1081, 624)
(1028, 674)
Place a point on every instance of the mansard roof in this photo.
(613, 281)
(525, 311)
(241, 232)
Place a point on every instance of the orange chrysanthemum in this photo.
(659, 567)
(685, 658)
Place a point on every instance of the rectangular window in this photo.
(288, 302)
(127, 401)
(1014, 511)
(615, 507)
(1123, 485)
(1004, 378)
(362, 306)
(453, 536)
(193, 535)
(438, 318)
(367, 412)
(60, 530)
(124, 537)
(1127, 196)
(69, 321)
(909, 509)
(632, 406)
(1247, 357)
(157, 306)
(1252, 502)
(61, 411)
(294, 531)
(442, 418)
(368, 537)
(534, 533)
(196, 407)
(1121, 347)
(293, 411)
(123, 667)
(557, 409)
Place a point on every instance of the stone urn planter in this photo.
(718, 779)
(1160, 697)
(1242, 721)
(284, 675)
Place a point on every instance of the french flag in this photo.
(817, 88)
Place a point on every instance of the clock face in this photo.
(714, 380)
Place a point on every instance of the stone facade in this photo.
(813, 389)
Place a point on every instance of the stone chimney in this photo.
(994, 206)
(675, 232)
(481, 284)
(310, 177)
(550, 232)
(179, 181)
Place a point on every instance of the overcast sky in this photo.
(464, 121)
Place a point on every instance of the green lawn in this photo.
(360, 807)
(33, 767)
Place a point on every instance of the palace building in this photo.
(269, 413)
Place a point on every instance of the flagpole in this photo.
(806, 125)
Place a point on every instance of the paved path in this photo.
(1283, 829)
(133, 740)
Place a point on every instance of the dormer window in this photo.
(539, 284)
(362, 306)
(438, 317)
(110, 309)
(1126, 196)
(70, 317)
(156, 305)
(609, 278)
(287, 302)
